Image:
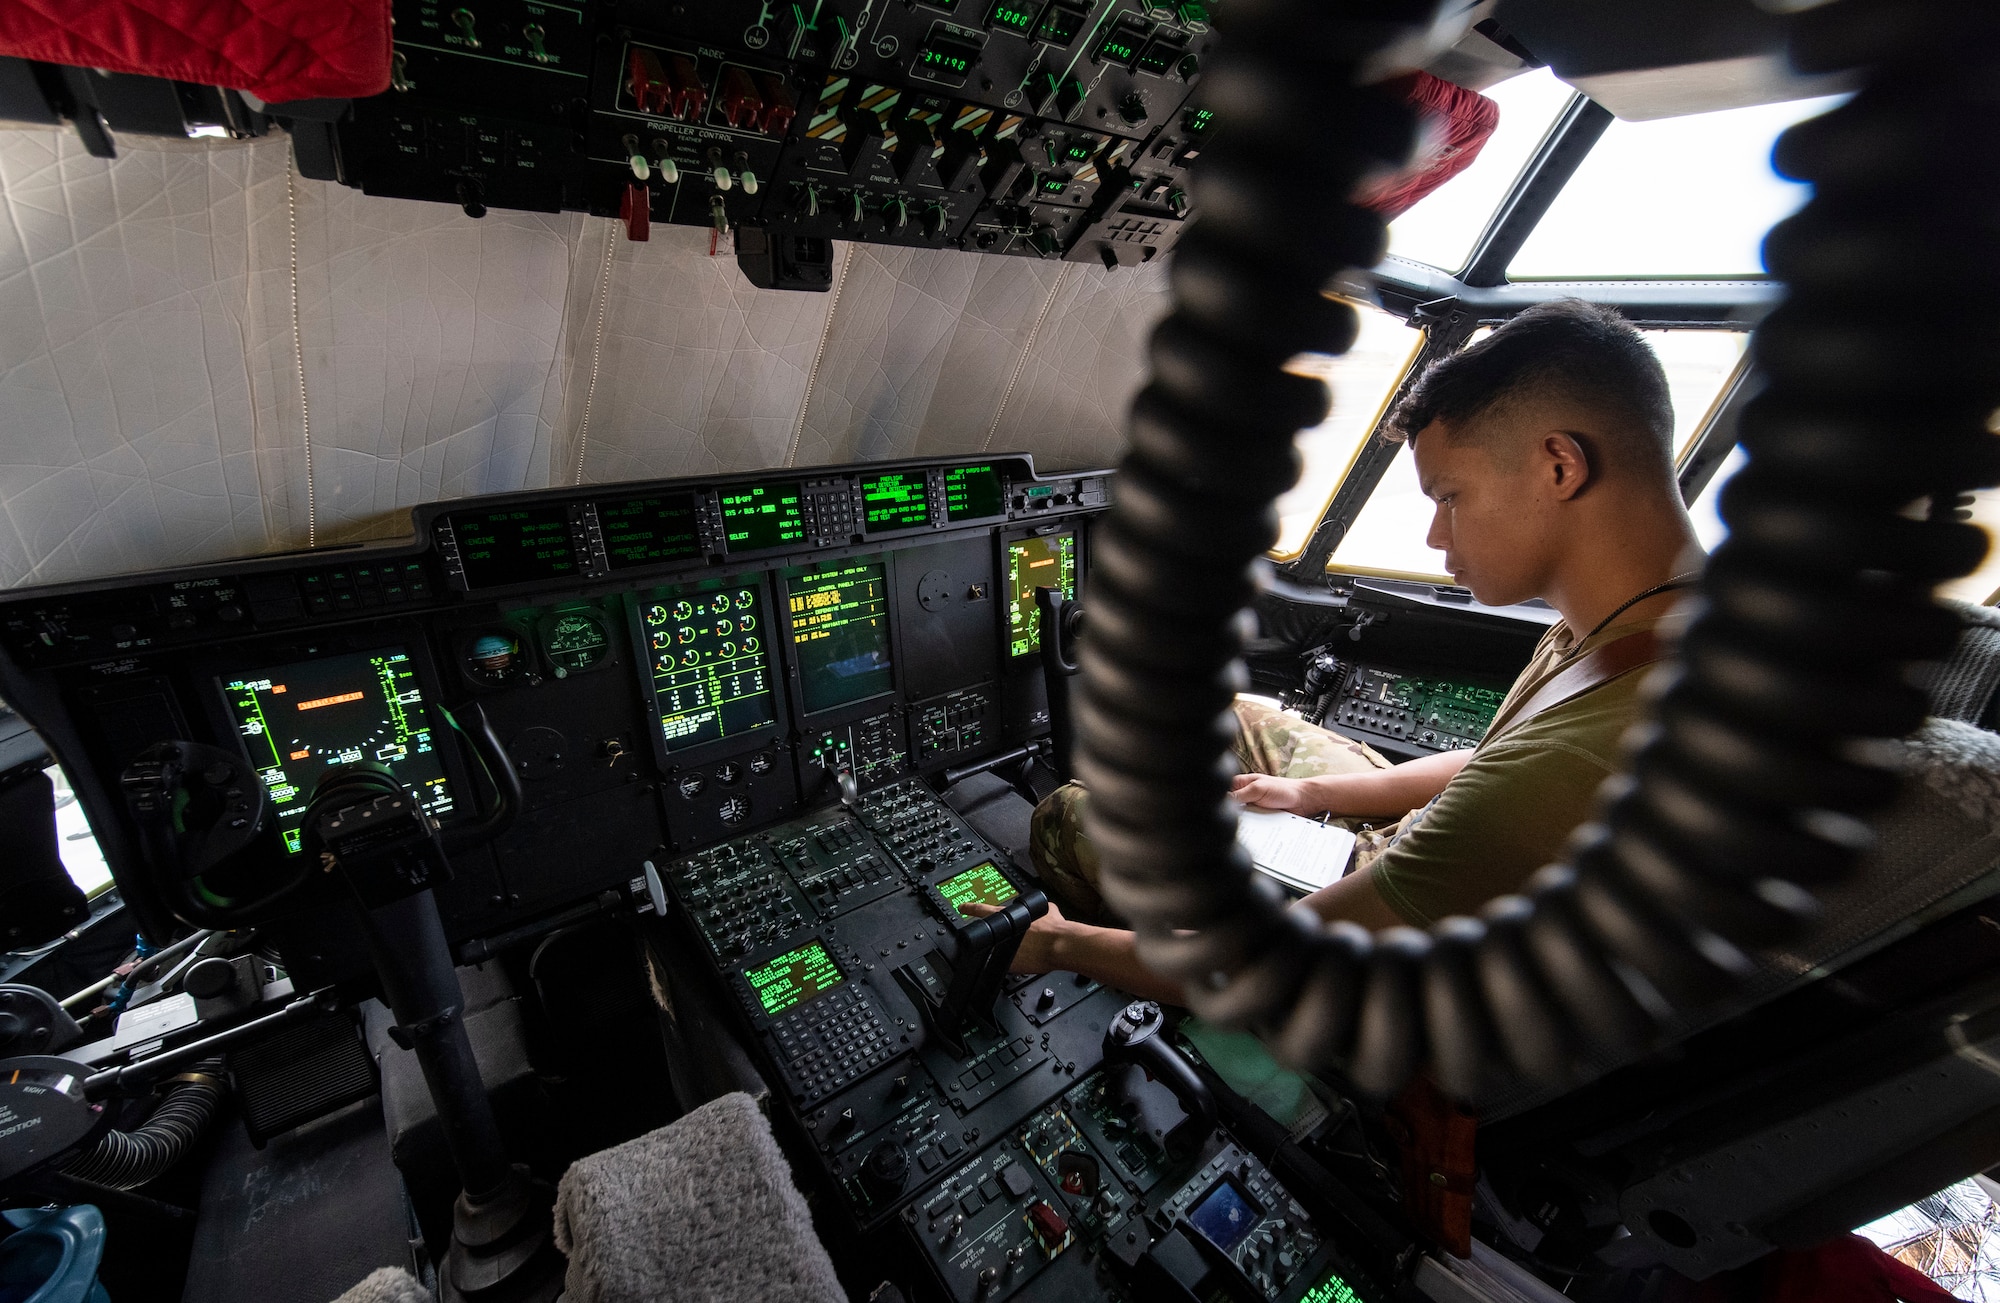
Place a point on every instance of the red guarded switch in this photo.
(636, 211)
(1049, 1226)
(742, 106)
(690, 92)
(781, 105)
(647, 81)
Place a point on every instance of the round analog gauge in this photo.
(745, 599)
(719, 604)
(729, 772)
(734, 810)
(761, 763)
(491, 657)
(575, 641)
(691, 785)
(683, 609)
(657, 615)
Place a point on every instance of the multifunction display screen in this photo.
(972, 493)
(760, 516)
(1048, 561)
(840, 635)
(982, 884)
(298, 721)
(792, 979)
(897, 500)
(647, 531)
(515, 546)
(708, 676)
(1225, 1217)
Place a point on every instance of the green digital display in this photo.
(896, 500)
(1121, 44)
(1010, 17)
(1061, 24)
(794, 978)
(932, 57)
(1054, 185)
(1077, 153)
(972, 493)
(1159, 56)
(982, 884)
(1047, 561)
(648, 531)
(840, 635)
(1331, 1290)
(298, 721)
(515, 546)
(759, 516)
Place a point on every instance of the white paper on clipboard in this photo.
(1303, 854)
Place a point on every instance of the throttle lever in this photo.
(1137, 1035)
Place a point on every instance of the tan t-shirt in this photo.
(1512, 808)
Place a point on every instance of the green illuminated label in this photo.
(793, 979)
(982, 884)
(1331, 1290)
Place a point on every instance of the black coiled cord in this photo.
(1763, 756)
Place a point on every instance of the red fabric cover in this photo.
(275, 49)
(1453, 125)
(1850, 1269)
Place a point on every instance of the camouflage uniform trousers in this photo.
(1268, 741)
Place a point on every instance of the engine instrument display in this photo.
(972, 493)
(517, 545)
(709, 671)
(794, 978)
(650, 530)
(1045, 561)
(574, 641)
(760, 516)
(896, 500)
(840, 635)
(298, 721)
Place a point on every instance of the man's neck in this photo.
(1616, 565)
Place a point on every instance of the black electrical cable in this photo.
(125, 1160)
(1761, 760)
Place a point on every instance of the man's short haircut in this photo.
(1567, 349)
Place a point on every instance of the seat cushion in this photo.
(702, 1211)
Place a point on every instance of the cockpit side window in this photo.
(1688, 196)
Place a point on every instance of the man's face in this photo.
(1495, 506)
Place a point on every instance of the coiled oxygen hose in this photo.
(1763, 757)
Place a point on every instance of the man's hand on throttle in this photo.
(1038, 947)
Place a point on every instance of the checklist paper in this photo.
(1302, 854)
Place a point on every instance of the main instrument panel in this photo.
(1040, 128)
(666, 664)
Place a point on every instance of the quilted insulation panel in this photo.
(155, 310)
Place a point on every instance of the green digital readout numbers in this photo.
(793, 978)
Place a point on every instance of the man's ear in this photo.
(1566, 456)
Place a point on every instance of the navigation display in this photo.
(647, 531)
(759, 516)
(1046, 561)
(972, 493)
(840, 635)
(515, 546)
(1225, 1217)
(298, 721)
(896, 500)
(792, 979)
(982, 884)
(708, 663)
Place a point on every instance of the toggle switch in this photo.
(635, 209)
(463, 17)
(636, 158)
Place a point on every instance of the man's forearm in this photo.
(1393, 791)
(1111, 956)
